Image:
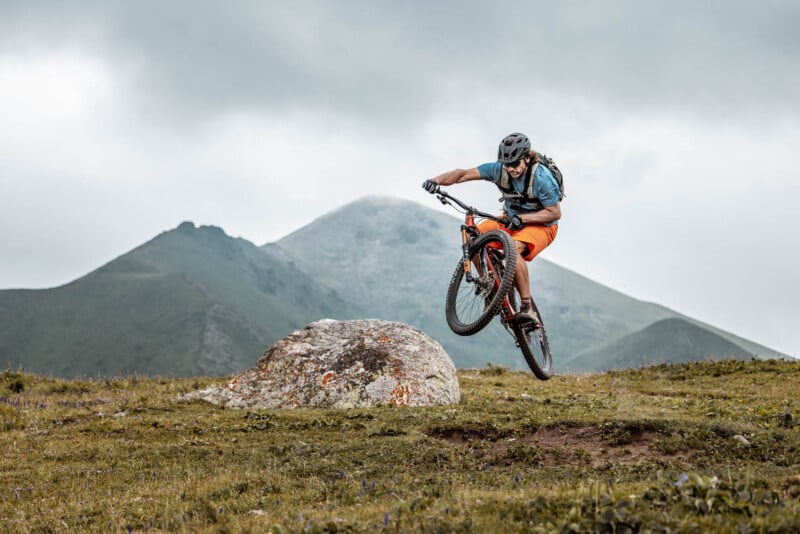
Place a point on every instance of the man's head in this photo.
(513, 153)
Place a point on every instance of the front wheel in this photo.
(476, 295)
(532, 340)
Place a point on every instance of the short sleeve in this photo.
(490, 171)
(546, 187)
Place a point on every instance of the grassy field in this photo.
(705, 447)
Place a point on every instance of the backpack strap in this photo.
(527, 191)
(530, 179)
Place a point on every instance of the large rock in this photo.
(344, 364)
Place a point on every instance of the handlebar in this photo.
(448, 199)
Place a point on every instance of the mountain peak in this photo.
(373, 204)
(381, 200)
(371, 218)
(188, 227)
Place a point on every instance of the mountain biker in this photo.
(531, 222)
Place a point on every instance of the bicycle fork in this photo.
(468, 235)
(486, 277)
(465, 241)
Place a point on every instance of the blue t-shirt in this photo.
(545, 187)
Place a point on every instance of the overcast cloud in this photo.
(677, 127)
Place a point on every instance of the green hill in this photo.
(192, 301)
(672, 340)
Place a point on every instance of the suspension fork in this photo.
(469, 232)
(466, 241)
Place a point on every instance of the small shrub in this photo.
(16, 386)
(14, 382)
(493, 370)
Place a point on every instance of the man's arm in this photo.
(543, 216)
(458, 176)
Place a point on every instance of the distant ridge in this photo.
(673, 340)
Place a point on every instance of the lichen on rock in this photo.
(344, 364)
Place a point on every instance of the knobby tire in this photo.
(534, 346)
(470, 306)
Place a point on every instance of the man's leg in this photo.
(530, 241)
(522, 278)
(523, 282)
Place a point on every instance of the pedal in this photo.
(527, 320)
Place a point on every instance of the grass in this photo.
(685, 448)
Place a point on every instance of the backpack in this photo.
(527, 197)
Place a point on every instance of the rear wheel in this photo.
(532, 341)
(473, 300)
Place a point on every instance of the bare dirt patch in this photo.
(588, 446)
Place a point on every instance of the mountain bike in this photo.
(482, 286)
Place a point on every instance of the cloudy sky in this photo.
(677, 127)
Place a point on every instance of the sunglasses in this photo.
(513, 164)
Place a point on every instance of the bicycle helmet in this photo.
(513, 147)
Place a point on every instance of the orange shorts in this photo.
(536, 236)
